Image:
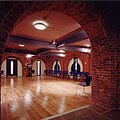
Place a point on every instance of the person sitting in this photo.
(85, 81)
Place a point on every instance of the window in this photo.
(38, 67)
(11, 68)
(56, 67)
(75, 68)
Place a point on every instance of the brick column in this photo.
(0, 65)
(105, 83)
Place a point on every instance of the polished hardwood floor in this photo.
(35, 98)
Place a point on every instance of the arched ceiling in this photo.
(75, 23)
(59, 25)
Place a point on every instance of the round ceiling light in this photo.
(40, 25)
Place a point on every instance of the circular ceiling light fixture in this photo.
(40, 25)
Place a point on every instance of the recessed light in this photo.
(29, 56)
(21, 45)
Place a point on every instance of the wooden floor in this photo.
(36, 98)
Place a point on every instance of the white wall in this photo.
(19, 69)
(43, 67)
(3, 67)
(54, 65)
(71, 62)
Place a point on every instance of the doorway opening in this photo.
(11, 67)
(39, 67)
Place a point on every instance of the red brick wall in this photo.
(0, 66)
(20, 57)
(64, 61)
(105, 57)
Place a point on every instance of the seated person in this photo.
(85, 81)
(82, 78)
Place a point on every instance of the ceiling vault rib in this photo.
(17, 38)
(78, 36)
(18, 51)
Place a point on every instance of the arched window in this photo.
(75, 68)
(56, 67)
(38, 67)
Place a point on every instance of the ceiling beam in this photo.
(54, 54)
(27, 41)
(18, 51)
(78, 36)
(42, 50)
(76, 49)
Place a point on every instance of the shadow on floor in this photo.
(92, 112)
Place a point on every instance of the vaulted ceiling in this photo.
(61, 28)
(67, 26)
(59, 25)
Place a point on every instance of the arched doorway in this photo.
(74, 65)
(11, 67)
(39, 67)
(93, 23)
(56, 67)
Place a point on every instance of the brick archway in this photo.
(105, 82)
(13, 56)
(18, 59)
(85, 14)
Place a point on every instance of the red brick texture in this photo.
(105, 41)
(105, 68)
(85, 14)
(50, 60)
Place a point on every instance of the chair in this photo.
(65, 74)
(74, 74)
(56, 73)
(85, 83)
(2, 73)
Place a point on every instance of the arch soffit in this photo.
(86, 15)
(12, 56)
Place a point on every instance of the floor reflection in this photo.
(40, 97)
